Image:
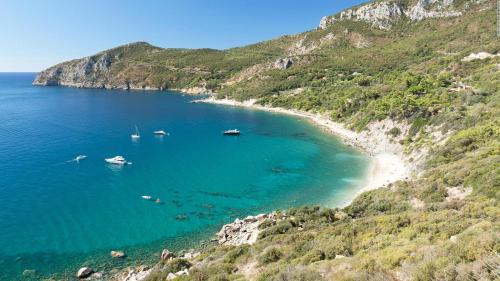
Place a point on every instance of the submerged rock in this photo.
(117, 254)
(29, 273)
(84, 272)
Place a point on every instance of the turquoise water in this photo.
(57, 214)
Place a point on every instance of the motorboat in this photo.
(160, 133)
(118, 160)
(147, 197)
(234, 132)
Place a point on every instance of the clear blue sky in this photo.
(37, 34)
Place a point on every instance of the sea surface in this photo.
(57, 214)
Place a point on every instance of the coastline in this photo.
(389, 162)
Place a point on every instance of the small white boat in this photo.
(234, 132)
(136, 134)
(160, 133)
(118, 160)
(147, 197)
(80, 157)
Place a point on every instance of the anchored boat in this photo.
(233, 132)
(118, 160)
(135, 135)
(80, 157)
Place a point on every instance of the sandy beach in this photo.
(389, 163)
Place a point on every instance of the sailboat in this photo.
(135, 135)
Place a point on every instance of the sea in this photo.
(58, 214)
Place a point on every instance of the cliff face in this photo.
(98, 71)
(385, 14)
(89, 72)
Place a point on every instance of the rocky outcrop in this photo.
(479, 56)
(84, 272)
(283, 63)
(117, 254)
(381, 15)
(167, 255)
(133, 274)
(384, 14)
(197, 90)
(432, 9)
(125, 67)
(243, 231)
(89, 72)
(172, 276)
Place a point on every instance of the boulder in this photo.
(117, 254)
(167, 255)
(84, 272)
(29, 273)
(283, 63)
(190, 255)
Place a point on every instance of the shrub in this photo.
(270, 255)
(234, 254)
(394, 132)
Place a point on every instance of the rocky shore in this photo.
(245, 231)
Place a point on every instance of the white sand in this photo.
(389, 163)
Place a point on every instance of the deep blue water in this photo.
(57, 215)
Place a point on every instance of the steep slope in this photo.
(143, 66)
(413, 63)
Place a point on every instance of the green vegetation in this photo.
(414, 74)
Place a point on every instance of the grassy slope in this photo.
(405, 74)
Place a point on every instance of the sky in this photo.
(37, 34)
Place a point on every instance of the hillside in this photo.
(430, 67)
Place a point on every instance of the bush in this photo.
(234, 254)
(394, 132)
(270, 255)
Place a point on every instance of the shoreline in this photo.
(388, 161)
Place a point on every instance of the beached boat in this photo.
(118, 160)
(136, 134)
(160, 133)
(234, 132)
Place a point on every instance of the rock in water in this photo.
(117, 254)
(167, 255)
(84, 272)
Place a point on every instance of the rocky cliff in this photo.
(103, 70)
(384, 14)
(145, 67)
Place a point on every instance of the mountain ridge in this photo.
(117, 68)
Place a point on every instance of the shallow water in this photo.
(57, 214)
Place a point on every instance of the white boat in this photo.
(160, 133)
(80, 157)
(136, 134)
(147, 197)
(234, 132)
(118, 160)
